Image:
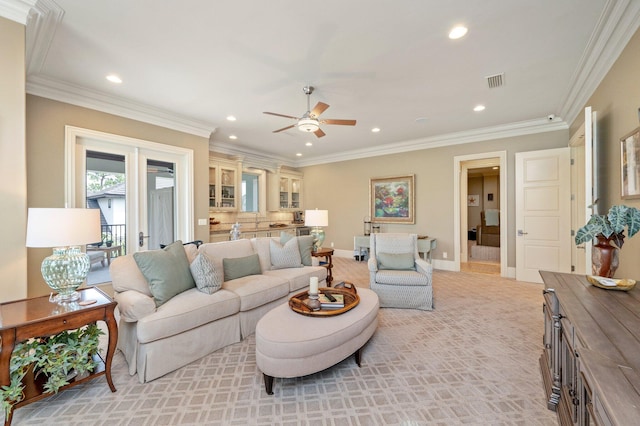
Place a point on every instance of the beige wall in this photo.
(616, 101)
(46, 120)
(343, 188)
(13, 214)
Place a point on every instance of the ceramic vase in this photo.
(604, 258)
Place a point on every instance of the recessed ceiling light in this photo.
(231, 118)
(114, 79)
(495, 167)
(234, 137)
(375, 129)
(478, 108)
(308, 144)
(457, 32)
(421, 119)
(299, 154)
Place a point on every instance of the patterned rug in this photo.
(471, 361)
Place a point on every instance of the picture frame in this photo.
(630, 165)
(473, 200)
(392, 199)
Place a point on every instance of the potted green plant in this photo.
(59, 358)
(107, 239)
(609, 229)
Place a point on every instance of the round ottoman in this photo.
(289, 344)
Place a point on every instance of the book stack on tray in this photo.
(331, 301)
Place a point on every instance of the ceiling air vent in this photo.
(495, 80)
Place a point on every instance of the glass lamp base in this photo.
(318, 237)
(64, 271)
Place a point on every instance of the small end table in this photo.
(326, 253)
(38, 317)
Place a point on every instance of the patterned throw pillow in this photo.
(207, 278)
(305, 244)
(285, 256)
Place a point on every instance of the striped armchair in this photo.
(397, 273)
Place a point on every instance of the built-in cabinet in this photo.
(590, 364)
(284, 191)
(224, 176)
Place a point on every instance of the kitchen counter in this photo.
(253, 230)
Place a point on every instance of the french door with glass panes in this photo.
(149, 206)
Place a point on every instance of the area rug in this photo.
(471, 361)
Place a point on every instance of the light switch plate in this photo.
(202, 221)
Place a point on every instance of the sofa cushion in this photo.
(402, 261)
(186, 311)
(125, 275)
(284, 256)
(257, 290)
(262, 246)
(238, 267)
(305, 244)
(208, 279)
(229, 249)
(166, 270)
(298, 278)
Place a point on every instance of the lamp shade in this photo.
(57, 227)
(316, 217)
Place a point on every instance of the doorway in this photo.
(151, 205)
(480, 186)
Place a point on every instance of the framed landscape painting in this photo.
(392, 199)
(630, 164)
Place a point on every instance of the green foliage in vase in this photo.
(611, 226)
(55, 356)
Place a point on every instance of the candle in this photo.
(313, 285)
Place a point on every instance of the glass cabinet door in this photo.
(284, 193)
(228, 188)
(295, 194)
(212, 187)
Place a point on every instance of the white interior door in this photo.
(543, 213)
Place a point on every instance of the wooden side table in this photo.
(38, 317)
(326, 253)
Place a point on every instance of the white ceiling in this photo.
(187, 65)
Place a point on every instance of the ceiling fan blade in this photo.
(318, 109)
(319, 133)
(280, 115)
(341, 122)
(284, 128)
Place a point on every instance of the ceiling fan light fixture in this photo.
(308, 125)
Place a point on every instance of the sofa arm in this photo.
(134, 305)
(372, 263)
(423, 267)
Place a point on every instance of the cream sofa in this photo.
(156, 340)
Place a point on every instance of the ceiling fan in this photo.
(310, 122)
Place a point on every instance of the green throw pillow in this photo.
(396, 261)
(239, 267)
(166, 271)
(305, 245)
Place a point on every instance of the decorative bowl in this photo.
(611, 283)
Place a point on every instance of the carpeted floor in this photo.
(471, 361)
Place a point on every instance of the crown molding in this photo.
(43, 21)
(251, 158)
(93, 99)
(520, 128)
(618, 22)
(16, 10)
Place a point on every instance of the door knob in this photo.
(521, 233)
(141, 238)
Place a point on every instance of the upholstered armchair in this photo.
(397, 273)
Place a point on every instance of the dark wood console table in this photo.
(38, 317)
(591, 358)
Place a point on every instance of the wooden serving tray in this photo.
(351, 299)
(624, 285)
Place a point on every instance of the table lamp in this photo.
(64, 230)
(316, 218)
